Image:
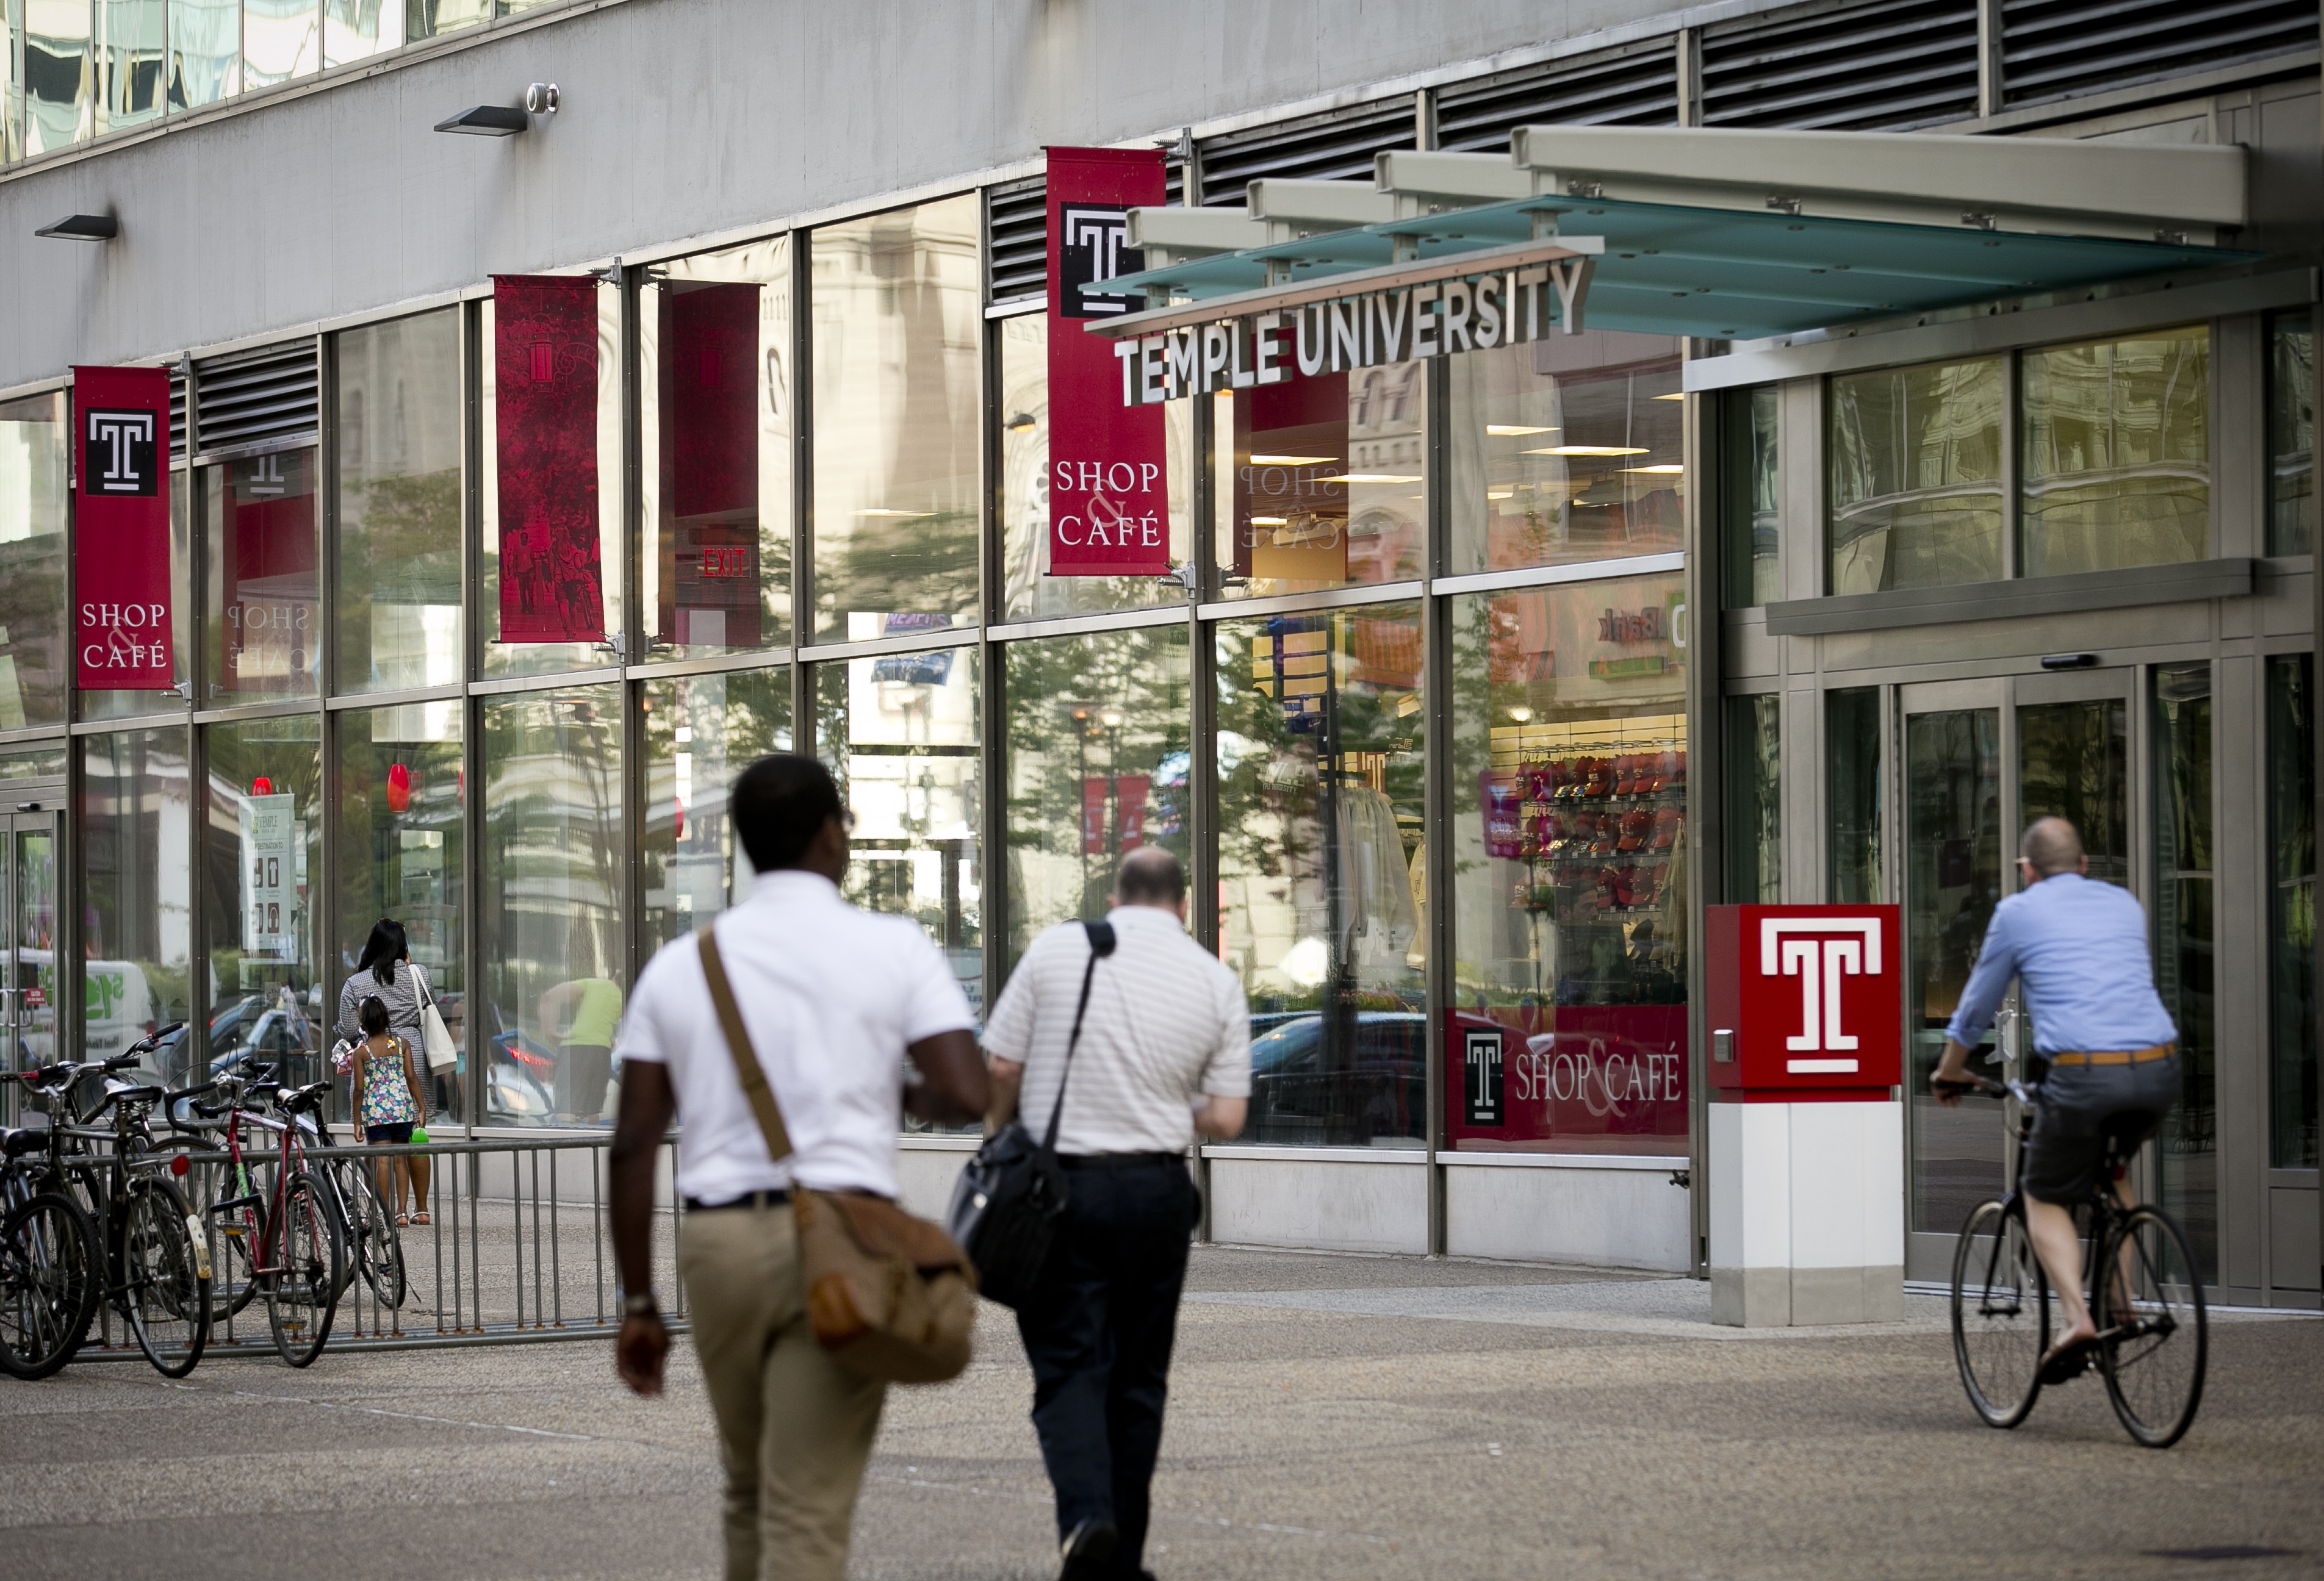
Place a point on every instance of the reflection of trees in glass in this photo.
(2072, 765)
(1319, 780)
(2184, 938)
(700, 733)
(137, 924)
(33, 486)
(2292, 911)
(258, 903)
(2291, 433)
(1103, 712)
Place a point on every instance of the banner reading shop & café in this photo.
(1109, 488)
(121, 529)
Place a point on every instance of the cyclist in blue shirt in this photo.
(2079, 948)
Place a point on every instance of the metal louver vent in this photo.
(1016, 243)
(1335, 146)
(1636, 89)
(254, 397)
(178, 412)
(2059, 49)
(1887, 67)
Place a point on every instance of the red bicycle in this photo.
(280, 1240)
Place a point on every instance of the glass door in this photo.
(1956, 839)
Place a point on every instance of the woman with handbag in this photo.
(387, 972)
(389, 1103)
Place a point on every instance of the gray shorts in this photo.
(2084, 1108)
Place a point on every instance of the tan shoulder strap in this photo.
(747, 1069)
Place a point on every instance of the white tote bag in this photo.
(435, 1037)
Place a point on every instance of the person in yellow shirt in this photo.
(588, 1009)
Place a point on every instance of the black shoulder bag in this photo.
(1006, 1205)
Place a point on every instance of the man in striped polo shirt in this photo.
(1165, 1053)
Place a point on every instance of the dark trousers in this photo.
(1098, 1331)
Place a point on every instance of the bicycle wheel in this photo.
(304, 1259)
(51, 1277)
(378, 1250)
(2156, 1337)
(2001, 1314)
(165, 1278)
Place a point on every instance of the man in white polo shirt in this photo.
(835, 1000)
(1165, 1053)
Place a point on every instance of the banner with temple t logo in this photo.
(121, 529)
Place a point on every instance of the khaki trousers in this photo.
(795, 1427)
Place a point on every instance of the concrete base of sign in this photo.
(1807, 1213)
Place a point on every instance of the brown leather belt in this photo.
(2162, 1051)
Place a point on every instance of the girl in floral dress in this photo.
(388, 1079)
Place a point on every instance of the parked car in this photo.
(1377, 1089)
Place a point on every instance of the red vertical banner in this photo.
(545, 387)
(121, 529)
(1093, 815)
(709, 393)
(1129, 809)
(1109, 482)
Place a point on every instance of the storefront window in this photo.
(356, 30)
(263, 852)
(59, 78)
(1755, 802)
(1852, 792)
(555, 958)
(2291, 433)
(1952, 882)
(131, 61)
(402, 852)
(1915, 477)
(205, 61)
(265, 580)
(110, 704)
(137, 835)
(399, 517)
(898, 307)
(2184, 934)
(1753, 492)
(280, 40)
(35, 486)
(2292, 911)
(427, 19)
(901, 732)
(1098, 767)
(569, 626)
(1326, 482)
(1567, 448)
(2117, 453)
(1030, 592)
(714, 358)
(700, 732)
(1322, 905)
(1568, 1031)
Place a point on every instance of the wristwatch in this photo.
(641, 1304)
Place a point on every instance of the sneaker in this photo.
(1087, 1555)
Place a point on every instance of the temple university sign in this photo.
(1392, 315)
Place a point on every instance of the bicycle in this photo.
(50, 1276)
(366, 1222)
(282, 1242)
(2146, 1298)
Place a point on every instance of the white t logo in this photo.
(1844, 947)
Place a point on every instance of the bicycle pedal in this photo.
(2065, 1369)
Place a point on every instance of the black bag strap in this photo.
(1100, 943)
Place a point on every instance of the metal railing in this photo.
(517, 1250)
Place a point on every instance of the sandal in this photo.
(419, 1218)
(2068, 1362)
(400, 1221)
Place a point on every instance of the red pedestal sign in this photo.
(1805, 1002)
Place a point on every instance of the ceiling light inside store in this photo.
(883, 510)
(1521, 714)
(1291, 460)
(487, 121)
(1501, 493)
(1022, 423)
(1661, 468)
(1588, 450)
(1372, 477)
(1270, 521)
(1673, 395)
(1515, 430)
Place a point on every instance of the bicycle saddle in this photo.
(296, 1099)
(18, 1141)
(132, 1092)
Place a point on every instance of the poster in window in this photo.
(708, 366)
(545, 389)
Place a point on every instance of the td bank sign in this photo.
(1398, 314)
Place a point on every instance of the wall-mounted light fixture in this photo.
(487, 121)
(83, 227)
(540, 99)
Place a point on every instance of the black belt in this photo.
(1119, 1160)
(747, 1199)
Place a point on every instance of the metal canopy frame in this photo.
(1724, 253)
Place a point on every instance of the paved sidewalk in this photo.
(1332, 1417)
